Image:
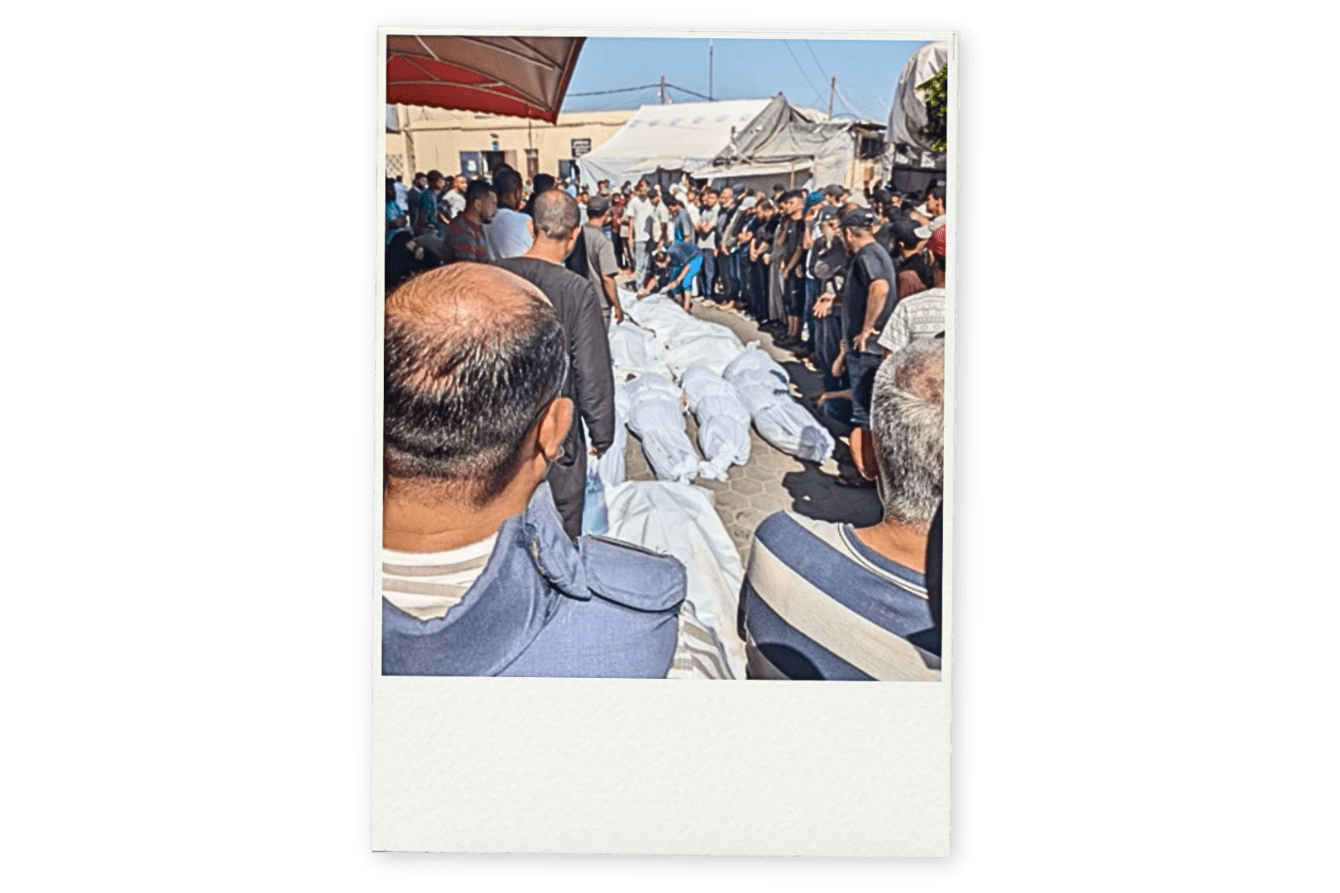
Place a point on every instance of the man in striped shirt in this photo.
(830, 601)
(465, 233)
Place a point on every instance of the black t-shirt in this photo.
(884, 236)
(795, 234)
(764, 234)
(869, 264)
(754, 227)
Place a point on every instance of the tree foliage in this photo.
(936, 94)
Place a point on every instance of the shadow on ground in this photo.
(817, 495)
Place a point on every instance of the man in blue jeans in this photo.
(675, 267)
(867, 302)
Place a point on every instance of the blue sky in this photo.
(867, 71)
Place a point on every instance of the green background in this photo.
(184, 355)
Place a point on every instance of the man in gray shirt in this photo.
(601, 266)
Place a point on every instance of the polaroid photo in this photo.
(666, 345)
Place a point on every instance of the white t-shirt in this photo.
(508, 235)
(660, 223)
(640, 211)
(455, 202)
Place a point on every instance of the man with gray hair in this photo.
(832, 601)
(478, 576)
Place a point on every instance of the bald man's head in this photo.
(473, 356)
(556, 215)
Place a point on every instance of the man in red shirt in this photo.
(465, 233)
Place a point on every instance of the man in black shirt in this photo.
(867, 303)
(909, 240)
(590, 384)
(790, 258)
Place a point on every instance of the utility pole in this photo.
(709, 69)
(831, 90)
(662, 89)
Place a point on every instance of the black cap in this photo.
(597, 204)
(835, 191)
(861, 217)
(905, 230)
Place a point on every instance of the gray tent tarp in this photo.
(908, 160)
(783, 138)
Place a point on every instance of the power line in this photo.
(800, 68)
(690, 92)
(620, 90)
(816, 59)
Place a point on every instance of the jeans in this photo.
(709, 273)
(642, 261)
(735, 284)
(861, 368)
(827, 335)
(811, 294)
(838, 409)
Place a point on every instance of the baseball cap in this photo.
(834, 190)
(827, 212)
(597, 204)
(937, 245)
(813, 199)
(906, 231)
(862, 217)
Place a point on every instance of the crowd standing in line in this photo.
(506, 276)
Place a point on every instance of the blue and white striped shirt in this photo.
(819, 604)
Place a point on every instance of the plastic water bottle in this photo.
(595, 514)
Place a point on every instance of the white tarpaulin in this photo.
(723, 421)
(679, 520)
(671, 138)
(634, 350)
(687, 340)
(765, 389)
(611, 464)
(656, 416)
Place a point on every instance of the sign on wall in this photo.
(580, 147)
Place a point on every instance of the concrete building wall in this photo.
(434, 138)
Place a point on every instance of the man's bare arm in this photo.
(874, 305)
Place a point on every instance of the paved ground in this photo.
(772, 480)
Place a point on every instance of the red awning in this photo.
(522, 76)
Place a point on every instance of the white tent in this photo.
(668, 140)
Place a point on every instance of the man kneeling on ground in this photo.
(675, 267)
(828, 601)
(478, 576)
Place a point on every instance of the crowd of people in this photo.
(499, 387)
